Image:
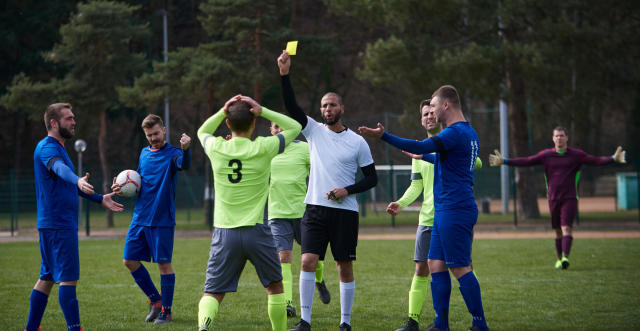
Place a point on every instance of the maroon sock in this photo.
(566, 245)
(559, 248)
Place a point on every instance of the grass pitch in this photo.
(521, 289)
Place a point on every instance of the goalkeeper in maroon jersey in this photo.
(562, 172)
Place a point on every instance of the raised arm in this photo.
(536, 159)
(209, 126)
(289, 97)
(290, 128)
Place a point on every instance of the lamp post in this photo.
(165, 42)
(80, 146)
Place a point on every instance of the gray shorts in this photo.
(423, 241)
(284, 231)
(230, 250)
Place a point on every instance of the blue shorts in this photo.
(60, 258)
(423, 242)
(230, 250)
(284, 231)
(452, 236)
(146, 242)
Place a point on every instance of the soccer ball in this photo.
(130, 182)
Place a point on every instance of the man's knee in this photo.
(309, 262)
(131, 264)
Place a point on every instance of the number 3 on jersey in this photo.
(237, 166)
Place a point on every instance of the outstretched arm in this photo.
(430, 145)
(618, 156)
(289, 97)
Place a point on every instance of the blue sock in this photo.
(142, 278)
(470, 290)
(167, 283)
(69, 305)
(36, 309)
(441, 293)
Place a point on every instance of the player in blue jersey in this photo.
(57, 190)
(151, 231)
(456, 150)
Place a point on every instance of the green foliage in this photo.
(520, 288)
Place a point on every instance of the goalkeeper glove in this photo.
(620, 155)
(496, 159)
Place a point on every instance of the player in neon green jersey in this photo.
(287, 190)
(241, 169)
(421, 182)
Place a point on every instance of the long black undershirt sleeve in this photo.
(370, 180)
(290, 101)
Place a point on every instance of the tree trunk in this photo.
(104, 165)
(525, 181)
(257, 87)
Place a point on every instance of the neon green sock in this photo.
(207, 310)
(287, 282)
(417, 295)
(319, 271)
(277, 311)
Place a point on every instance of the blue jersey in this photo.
(456, 150)
(158, 168)
(56, 198)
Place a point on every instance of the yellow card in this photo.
(291, 47)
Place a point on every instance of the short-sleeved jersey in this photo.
(158, 168)
(454, 167)
(422, 174)
(562, 170)
(335, 158)
(288, 183)
(241, 169)
(57, 200)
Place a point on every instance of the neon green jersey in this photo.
(241, 169)
(288, 185)
(421, 182)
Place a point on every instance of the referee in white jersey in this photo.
(331, 215)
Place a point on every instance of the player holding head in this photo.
(562, 171)
(287, 189)
(241, 169)
(456, 151)
(331, 215)
(57, 190)
(150, 234)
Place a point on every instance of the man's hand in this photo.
(413, 156)
(115, 187)
(284, 63)
(84, 186)
(229, 102)
(108, 202)
(496, 159)
(620, 155)
(394, 208)
(337, 194)
(185, 141)
(373, 133)
(256, 109)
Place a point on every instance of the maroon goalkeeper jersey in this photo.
(561, 171)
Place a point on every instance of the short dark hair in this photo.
(423, 103)
(53, 112)
(448, 92)
(334, 94)
(561, 128)
(240, 116)
(151, 120)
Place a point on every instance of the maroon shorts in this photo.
(562, 212)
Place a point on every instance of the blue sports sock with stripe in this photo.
(69, 305)
(167, 284)
(441, 293)
(142, 278)
(470, 290)
(38, 303)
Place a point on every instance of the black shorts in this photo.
(322, 225)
